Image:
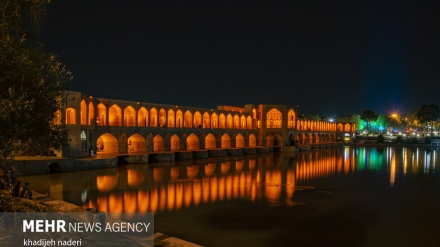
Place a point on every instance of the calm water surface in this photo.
(335, 197)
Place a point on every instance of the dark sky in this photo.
(328, 57)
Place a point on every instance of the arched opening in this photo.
(252, 140)
(243, 122)
(347, 127)
(274, 140)
(153, 117)
(308, 138)
(114, 116)
(254, 114)
(171, 119)
(162, 118)
(187, 119)
(192, 142)
(197, 120)
(214, 120)
(91, 114)
(102, 115)
(70, 116)
(142, 117)
(179, 119)
(229, 122)
(206, 120)
(239, 141)
(83, 112)
(107, 143)
(175, 143)
(222, 121)
(55, 168)
(129, 116)
(136, 144)
(273, 119)
(226, 141)
(236, 122)
(291, 119)
(159, 145)
(249, 122)
(210, 142)
(339, 127)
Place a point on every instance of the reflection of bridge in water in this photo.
(271, 178)
(166, 188)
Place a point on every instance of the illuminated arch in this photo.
(273, 119)
(175, 143)
(159, 145)
(142, 117)
(206, 120)
(236, 122)
(83, 112)
(214, 120)
(291, 119)
(192, 142)
(114, 116)
(153, 117)
(239, 141)
(187, 119)
(229, 122)
(179, 119)
(210, 142)
(107, 183)
(353, 128)
(107, 144)
(222, 121)
(70, 116)
(254, 114)
(102, 115)
(252, 140)
(347, 127)
(249, 122)
(339, 127)
(197, 119)
(226, 141)
(129, 116)
(91, 114)
(162, 118)
(136, 144)
(171, 119)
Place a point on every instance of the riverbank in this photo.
(43, 203)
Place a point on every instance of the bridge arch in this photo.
(226, 141)
(229, 121)
(249, 122)
(179, 119)
(83, 112)
(162, 117)
(222, 121)
(153, 117)
(210, 142)
(239, 141)
(206, 120)
(192, 142)
(142, 117)
(187, 119)
(291, 119)
(274, 119)
(236, 122)
(274, 140)
(136, 144)
(107, 144)
(114, 115)
(214, 120)
(129, 116)
(102, 115)
(197, 119)
(70, 116)
(175, 143)
(91, 113)
(159, 144)
(252, 140)
(171, 118)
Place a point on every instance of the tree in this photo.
(32, 84)
(369, 116)
(428, 114)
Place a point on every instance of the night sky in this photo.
(329, 57)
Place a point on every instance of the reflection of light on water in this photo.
(167, 189)
(393, 170)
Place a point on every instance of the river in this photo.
(348, 196)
